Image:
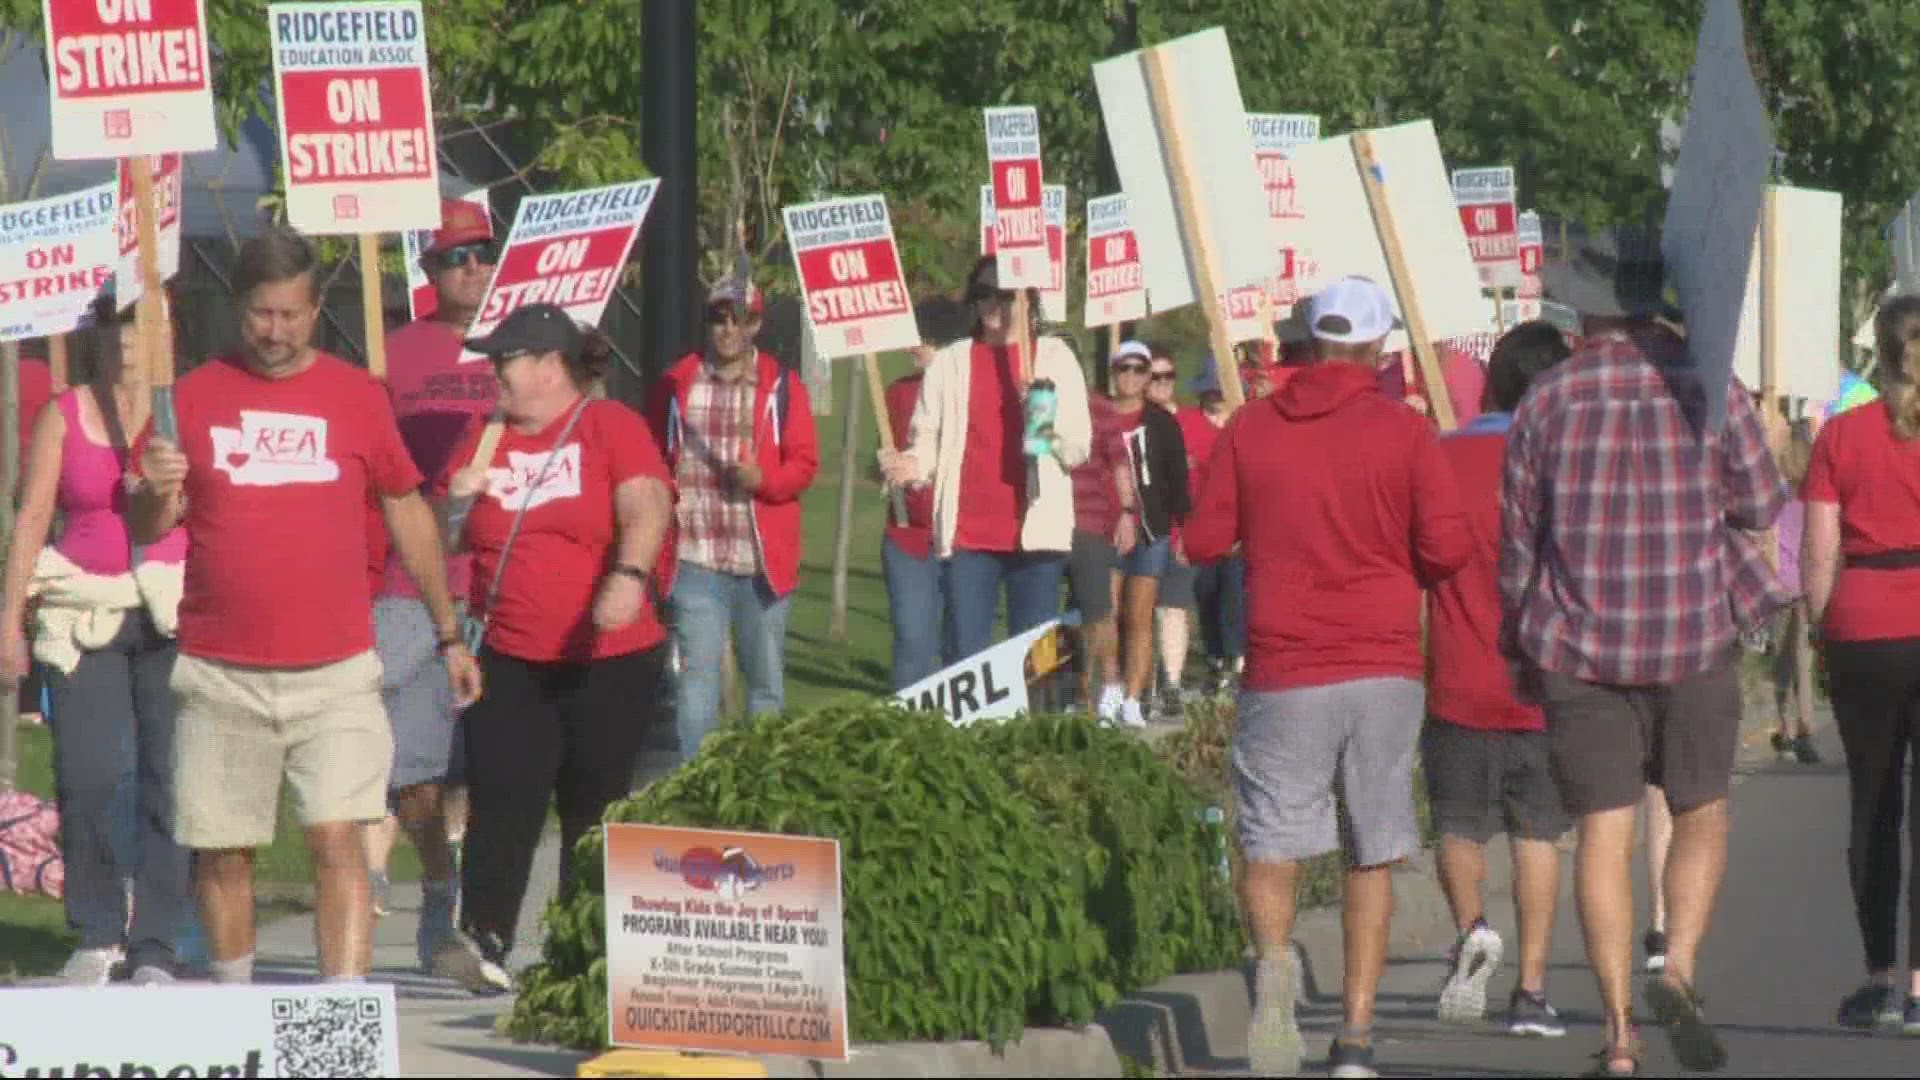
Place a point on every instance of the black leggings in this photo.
(560, 732)
(1876, 703)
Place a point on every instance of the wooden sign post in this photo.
(1374, 179)
(57, 364)
(150, 313)
(372, 309)
(1770, 267)
(877, 390)
(1193, 225)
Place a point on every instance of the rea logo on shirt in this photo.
(271, 449)
(529, 481)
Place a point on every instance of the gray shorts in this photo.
(426, 733)
(1291, 746)
(1482, 783)
(1090, 568)
(1176, 585)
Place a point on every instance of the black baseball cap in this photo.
(536, 328)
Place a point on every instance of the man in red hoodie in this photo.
(737, 432)
(1344, 509)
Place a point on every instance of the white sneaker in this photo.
(1131, 717)
(1109, 708)
(1273, 1036)
(92, 967)
(1463, 1000)
(479, 969)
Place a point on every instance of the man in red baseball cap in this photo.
(434, 398)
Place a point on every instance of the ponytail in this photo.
(589, 366)
(1897, 339)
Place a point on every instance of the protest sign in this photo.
(1274, 137)
(1053, 298)
(1115, 290)
(989, 685)
(56, 256)
(1903, 242)
(356, 116)
(422, 301)
(1489, 215)
(202, 1030)
(725, 942)
(1020, 221)
(1713, 211)
(128, 77)
(168, 190)
(1791, 345)
(850, 276)
(566, 249)
(1246, 310)
(1532, 243)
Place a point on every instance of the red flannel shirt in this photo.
(1618, 560)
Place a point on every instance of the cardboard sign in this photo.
(168, 191)
(1532, 243)
(356, 116)
(989, 685)
(1020, 220)
(850, 275)
(568, 250)
(725, 942)
(1274, 137)
(1903, 242)
(202, 1030)
(1807, 275)
(1564, 317)
(1491, 219)
(1339, 230)
(1243, 307)
(1053, 297)
(128, 77)
(422, 301)
(1713, 211)
(56, 255)
(1211, 119)
(1116, 293)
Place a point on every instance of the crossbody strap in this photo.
(499, 572)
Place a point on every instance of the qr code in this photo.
(328, 1036)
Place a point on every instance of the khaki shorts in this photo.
(242, 729)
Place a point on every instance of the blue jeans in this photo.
(918, 611)
(706, 604)
(1221, 588)
(973, 583)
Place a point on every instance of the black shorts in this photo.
(1609, 742)
(1481, 783)
(1090, 567)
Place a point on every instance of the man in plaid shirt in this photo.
(1623, 580)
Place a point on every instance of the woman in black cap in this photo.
(567, 512)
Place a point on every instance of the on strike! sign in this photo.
(356, 116)
(1533, 251)
(1115, 290)
(1274, 137)
(167, 184)
(128, 77)
(1486, 201)
(1243, 307)
(56, 255)
(1053, 296)
(1013, 149)
(856, 295)
(567, 250)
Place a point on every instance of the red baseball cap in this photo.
(738, 292)
(461, 222)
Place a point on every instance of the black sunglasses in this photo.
(1163, 376)
(1130, 369)
(484, 253)
(724, 315)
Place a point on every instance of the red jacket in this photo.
(1344, 509)
(789, 456)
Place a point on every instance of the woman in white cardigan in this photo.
(1002, 521)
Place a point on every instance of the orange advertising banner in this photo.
(725, 942)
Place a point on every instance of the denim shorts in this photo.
(1149, 558)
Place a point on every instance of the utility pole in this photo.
(669, 254)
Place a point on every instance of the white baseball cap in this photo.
(1136, 349)
(1352, 311)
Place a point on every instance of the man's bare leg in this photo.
(1366, 917)
(1603, 884)
(1659, 838)
(421, 810)
(1463, 872)
(343, 911)
(1695, 867)
(1536, 892)
(223, 884)
(1269, 895)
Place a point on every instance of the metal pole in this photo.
(670, 256)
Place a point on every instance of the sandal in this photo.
(1695, 1043)
(1615, 1059)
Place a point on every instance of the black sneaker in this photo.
(1782, 747)
(1173, 708)
(1873, 1005)
(1533, 1015)
(1804, 752)
(1910, 1017)
(1656, 945)
(1345, 1059)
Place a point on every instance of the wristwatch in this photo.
(448, 641)
(630, 570)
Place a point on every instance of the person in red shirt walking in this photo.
(1484, 752)
(1219, 587)
(738, 434)
(915, 602)
(277, 678)
(1344, 510)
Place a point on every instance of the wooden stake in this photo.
(57, 362)
(1193, 224)
(149, 316)
(371, 305)
(1499, 310)
(1022, 340)
(1770, 265)
(1374, 178)
(483, 450)
(877, 391)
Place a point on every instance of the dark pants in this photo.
(116, 716)
(1221, 591)
(545, 732)
(1876, 704)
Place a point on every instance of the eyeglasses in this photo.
(460, 256)
(725, 315)
(1130, 369)
(1163, 376)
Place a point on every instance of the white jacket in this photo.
(938, 443)
(79, 612)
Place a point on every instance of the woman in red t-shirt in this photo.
(567, 514)
(1860, 566)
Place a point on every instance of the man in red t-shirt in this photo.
(435, 396)
(277, 451)
(1485, 753)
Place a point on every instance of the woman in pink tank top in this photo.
(104, 616)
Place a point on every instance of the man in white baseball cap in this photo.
(1344, 509)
